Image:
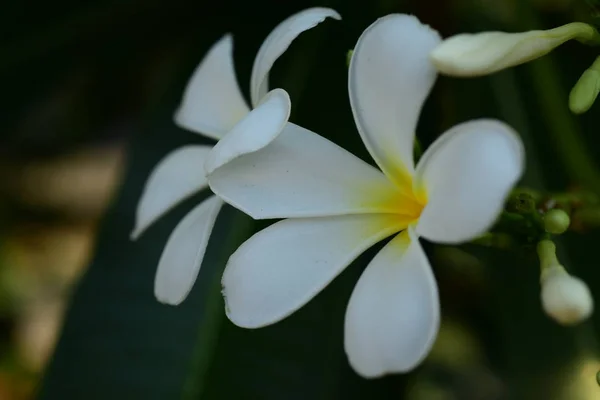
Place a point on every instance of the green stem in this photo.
(502, 241)
(213, 307)
(546, 250)
(579, 31)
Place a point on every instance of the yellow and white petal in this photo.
(182, 257)
(176, 177)
(389, 79)
(467, 174)
(393, 315)
(301, 174)
(488, 52)
(281, 268)
(212, 102)
(259, 128)
(278, 42)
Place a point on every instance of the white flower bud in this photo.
(488, 52)
(565, 298)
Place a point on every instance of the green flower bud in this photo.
(556, 221)
(586, 89)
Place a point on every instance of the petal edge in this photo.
(278, 42)
(393, 314)
(212, 102)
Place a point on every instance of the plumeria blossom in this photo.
(488, 52)
(212, 105)
(336, 206)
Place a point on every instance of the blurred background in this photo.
(88, 91)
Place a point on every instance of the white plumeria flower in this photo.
(212, 105)
(337, 206)
(488, 52)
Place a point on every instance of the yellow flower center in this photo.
(406, 204)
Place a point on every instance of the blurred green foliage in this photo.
(76, 73)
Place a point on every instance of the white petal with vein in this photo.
(176, 177)
(389, 79)
(468, 172)
(212, 102)
(277, 43)
(301, 174)
(281, 268)
(183, 254)
(393, 314)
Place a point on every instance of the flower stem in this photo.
(546, 250)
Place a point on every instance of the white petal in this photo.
(393, 315)
(259, 128)
(277, 43)
(182, 257)
(467, 173)
(301, 174)
(390, 77)
(488, 52)
(212, 102)
(281, 268)
(177, 176)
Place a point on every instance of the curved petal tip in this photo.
(259, 128)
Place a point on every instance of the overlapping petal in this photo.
(301, 174)
(277, 43)
(281, 268)
(393, 314)
(389, 79)
(467, 173)
(182, 257)
(259, 128)
(176, 177)
(212, 102)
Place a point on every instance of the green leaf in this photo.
(118, 341)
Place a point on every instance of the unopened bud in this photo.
(556, 221)
(586, 89)
(488, 52)
(565, 298)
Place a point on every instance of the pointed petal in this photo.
(176, 177)
(301, 174)
(212, 102)
(182, 257)
(393, 315)
(390, 77)
(281, 268)
(488, 52)
(277, 43)
(467, 174)
(259, 128)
